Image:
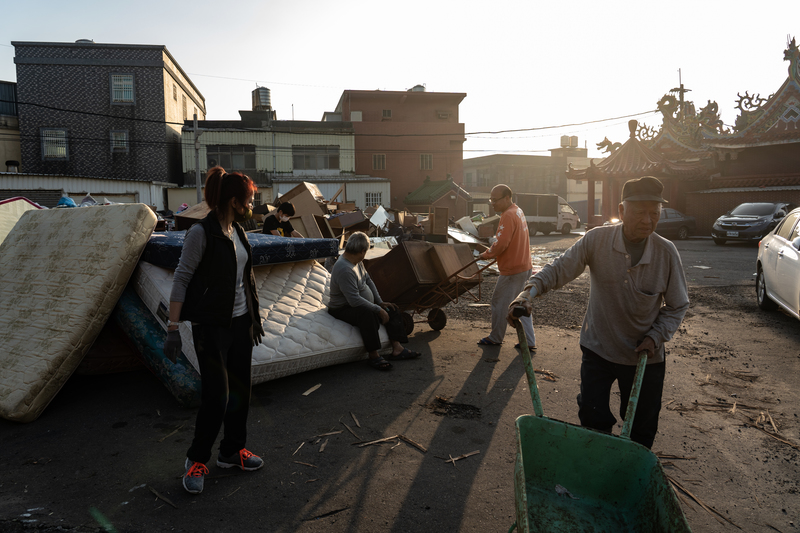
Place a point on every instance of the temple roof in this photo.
(634, 160)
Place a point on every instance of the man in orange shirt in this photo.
(513, 252)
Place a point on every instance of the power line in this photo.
(391, 135)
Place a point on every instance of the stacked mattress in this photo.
(293, 292)
(61, 274)
(10, 212)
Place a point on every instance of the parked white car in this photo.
(778, 267)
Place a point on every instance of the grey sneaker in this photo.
(194, 476)
(243, 459)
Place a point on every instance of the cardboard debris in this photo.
(196, 213)
(305, 198)
(465, 223)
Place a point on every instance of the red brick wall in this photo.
(415, 128)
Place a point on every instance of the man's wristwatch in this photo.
(171, 323)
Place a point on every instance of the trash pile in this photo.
(85, 287)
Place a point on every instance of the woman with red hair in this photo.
(214, 288)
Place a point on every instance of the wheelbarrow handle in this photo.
(526, 358)
(633, 399)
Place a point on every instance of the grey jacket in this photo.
(625, 303)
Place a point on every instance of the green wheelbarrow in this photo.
(571, 478)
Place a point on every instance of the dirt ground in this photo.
(107, 453)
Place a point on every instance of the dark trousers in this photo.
(597, 376)
(368, 324)
(224, 356)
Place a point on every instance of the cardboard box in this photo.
(440, 219)
(306, 199)
(196, 213)
(486, 231)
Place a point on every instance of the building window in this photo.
(378, 161)
(426, 161)
(257, 198)
(469, 179)
(119, 141)
(54, 144)
(195, 112)
(122, 88)
(387, 114)
(183, 97)
(372, 198)
(483, 178)
(240, 158)
(175, 91)
(315, 157)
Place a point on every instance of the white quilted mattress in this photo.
(10, 212)
(293, 297)
(61, 273)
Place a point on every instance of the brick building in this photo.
(405, 136)
(102, 110)
(9, 127)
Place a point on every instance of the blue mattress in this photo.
(164, 249)
(135, 319)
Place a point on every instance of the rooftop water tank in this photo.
(418, 89)
(261, 100)
(564, 141)
(573, 141)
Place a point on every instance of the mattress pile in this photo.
(61, 274)
(164, 249)
(300, 334)
(10, 212)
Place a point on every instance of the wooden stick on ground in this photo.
(160, 497)
(795, 446)
(771, 421)
(387, 439)
(165, 437)
(351, 431)
(454, 459)
(355, 419)
(414, 444)
(713, 512)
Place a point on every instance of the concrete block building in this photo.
(103, 110)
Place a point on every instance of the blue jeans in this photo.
(597, 376)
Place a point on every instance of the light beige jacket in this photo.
(625, 303)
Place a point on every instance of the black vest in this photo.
(211, 292)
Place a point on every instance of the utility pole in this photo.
(197, 160)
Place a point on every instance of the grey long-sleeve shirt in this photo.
(194, 247)
(625, 303)
(351, 285)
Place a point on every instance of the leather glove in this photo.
(173, 345)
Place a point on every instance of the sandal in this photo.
(531, 348)
(486, 342)
(405, 354)
(379, 363)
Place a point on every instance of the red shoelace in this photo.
(197, 470)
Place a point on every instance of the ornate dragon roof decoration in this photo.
(688, 134)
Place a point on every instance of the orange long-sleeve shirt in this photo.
(513, 246)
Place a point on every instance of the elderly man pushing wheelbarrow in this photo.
(637, 302)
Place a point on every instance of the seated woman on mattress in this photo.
(355, 300)
(214, 288)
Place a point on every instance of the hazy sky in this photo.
(522, 64)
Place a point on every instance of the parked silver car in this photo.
(778, 267)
